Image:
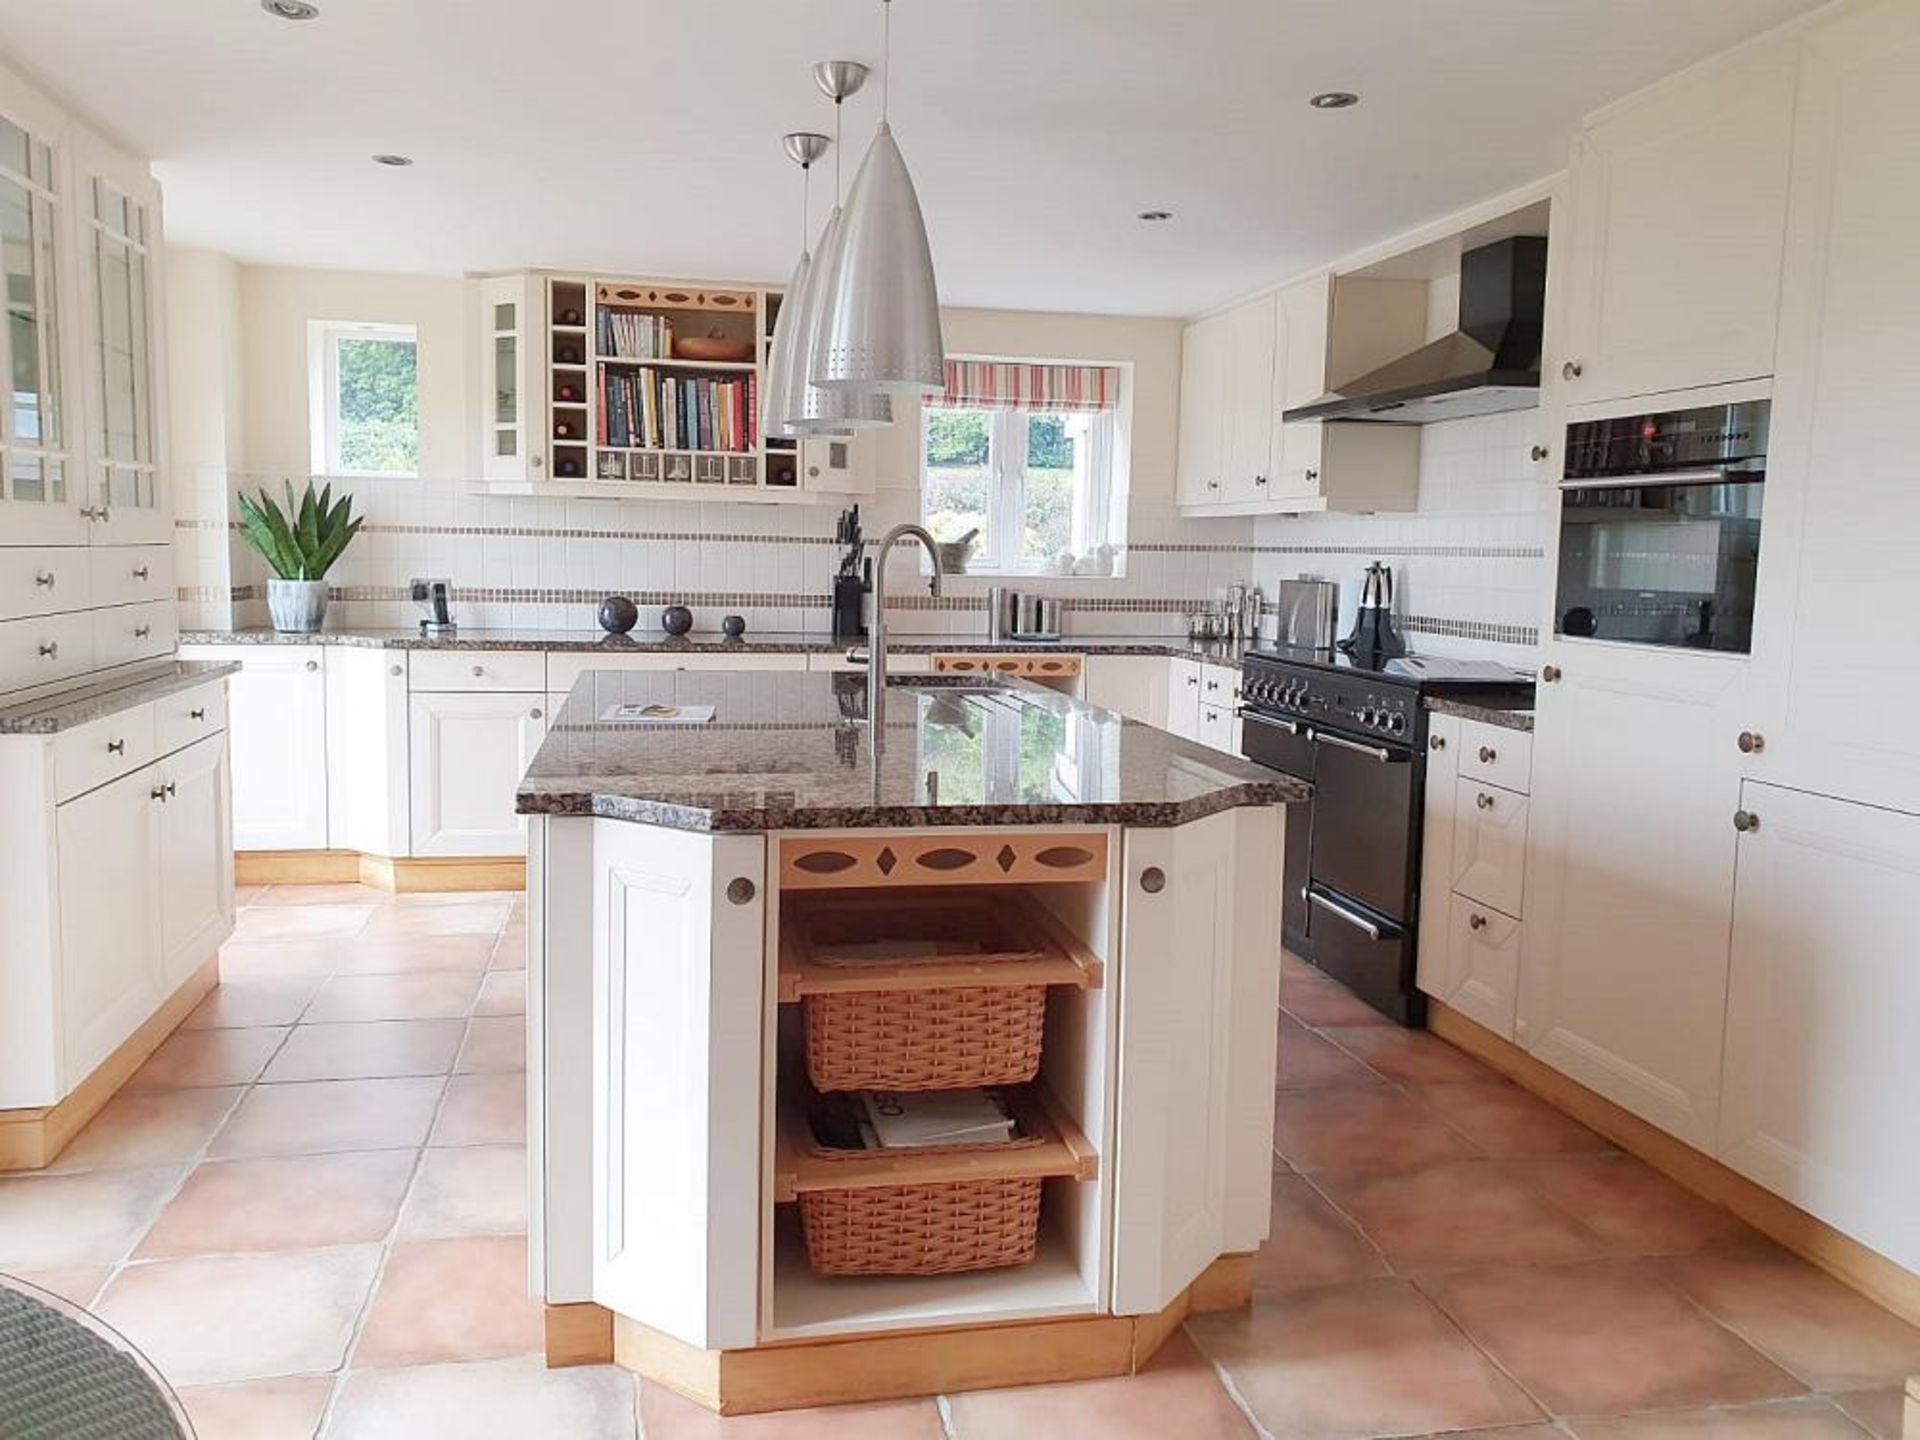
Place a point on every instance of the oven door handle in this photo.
(1259, 719)
(1342, 912)
(1377, 752)
(1649, 479)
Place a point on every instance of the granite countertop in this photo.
(765, 642)
(94, 700)
(788, 750)
(1507, 717)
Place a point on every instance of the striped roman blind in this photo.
(1014, 385)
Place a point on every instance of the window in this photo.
(1025, 454)
(365, 399)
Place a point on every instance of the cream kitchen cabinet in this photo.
(1135, 686)
(1822, 1006)
(1489, 845)
(1832, 701)
(278, 720)
(510, 323)
(1629, 865)
(1680, 211)
(468, 754)
(1206, 367)
(195, 878)
(1183, 698)
(1253, 334)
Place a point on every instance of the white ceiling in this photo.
(642, 136)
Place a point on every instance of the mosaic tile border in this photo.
(1487, 630)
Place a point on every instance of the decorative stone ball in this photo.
(733, 627)
(676, 620)
(618, 614)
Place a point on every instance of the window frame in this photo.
(323, 380)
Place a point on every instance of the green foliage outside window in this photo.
(379, 406)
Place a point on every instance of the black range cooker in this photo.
(1358, 732)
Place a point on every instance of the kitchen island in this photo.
(678, 876)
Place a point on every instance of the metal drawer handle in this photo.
(141, 632)
(49, 649)
(1476, 922)
(1488, 755)
(1484, 801)
(1341, 912)
(196, 714)
(45, 579)
(140, 572)
(1376, 752)
(1259, 719)
(116, 747)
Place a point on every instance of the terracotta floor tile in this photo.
(1807, 1419)
(313, 1116)
(1450, 1216)
(494, 1044)
(1322, 1002)
(1632, 1207)
(1292, 967)
(279, 959)
(245, 895)
(1361, 1129)
(258, 1409)
(1605, 1339)
(500, 1400)
(298, 1202)
(300, 922)
(242, 1317)
(443, 1300)
(486, 918)
(1880, 1412)
(344, 894)
(239, 1003)
(510, 951)
(665, 1416)
(57, 1222)
(483, 1110)
(1407, 1056)
(471, 1190)
(420, 995)
(399, 954)
(1310, 1243)
(1177, 1394)
(367, 1051)
(1828, 1335)
(154, 1127)
(189, 1058)
(502, 992)
(1357, 1360)
(79, 1284)
(1308, 1062)
(412, 898)
(1504, 1120)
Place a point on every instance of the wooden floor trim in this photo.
(33, 1139)
(1841, 1256)
(894, 1365)
(397, 874)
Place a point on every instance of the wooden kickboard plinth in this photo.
(798, 1374)
(33, 1139)
(403, 876)
(1841, 1256)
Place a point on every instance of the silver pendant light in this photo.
(880, 305)
(785, 379)
(810, 410)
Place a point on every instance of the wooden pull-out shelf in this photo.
(1064, 1152)
(1063, 959)
(846, 862)
(1045, 666)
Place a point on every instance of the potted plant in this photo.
(299, 545)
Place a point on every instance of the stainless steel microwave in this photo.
(1660, 527)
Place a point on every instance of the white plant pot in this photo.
(297, 606)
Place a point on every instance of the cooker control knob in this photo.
(1367, 718)
(1397, 723)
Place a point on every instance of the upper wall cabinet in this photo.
(1242, 368)
(510, 319)
(1680, 208)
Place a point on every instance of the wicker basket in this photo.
(942, 1228)
(940, 1039)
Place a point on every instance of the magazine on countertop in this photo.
(656, 713)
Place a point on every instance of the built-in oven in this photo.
(1660, 527)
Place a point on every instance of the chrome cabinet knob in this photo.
(1488, 755)
(741, 890)
(1213, 484)
(1484, 800)
(196, 714)
(1745, 821)
(1476, 922)
(534, 714)
(141, 632)
(140, 572)
(1550, 674)
(1572, 370)
(1436, 742)
(1539, 453)
(45, 579)
(479, 671)
(394, 670)
(49, 649)
(313, 664)
(1259, 479)
(1153, 880)
(1751, 742)
(158, 792)
(1313, 476)
(116, 747)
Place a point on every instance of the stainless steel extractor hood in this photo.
(1490, 364)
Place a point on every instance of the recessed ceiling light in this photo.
(396, 161)
(290, 9)
(1334, 100)
(1154, 217)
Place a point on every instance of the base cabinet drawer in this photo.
(124, 634)
(1496, 755)
(179, 720)
(565, 667)
(132, 574)
(483, 670)
(44, 650)
(1483, 965)
(43, 581)
(1489, 845)
(90, 755)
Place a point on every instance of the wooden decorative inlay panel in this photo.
(1017, 663)
(850, 861)
(678, 297)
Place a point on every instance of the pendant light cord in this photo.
(838, 101)
(886, 58)
(806, 205)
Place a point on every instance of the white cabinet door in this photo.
(277, 744)
(367, 744)
(1680, 205)
(1183, 700)
(195, 857)
(1823, 1005)
(1131, 685)
(1482, 964)
(677, 984)
(509, 320)
(1630, 878)
(1832, 700)
(110, 971)
(469, 752)
(1199, 990)
(1490, 845)
(1205, 364)
(1251, 334)
(1436, 852)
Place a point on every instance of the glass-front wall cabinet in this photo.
(119, 242)
(511, 316)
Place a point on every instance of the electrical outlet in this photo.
(422, 590)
